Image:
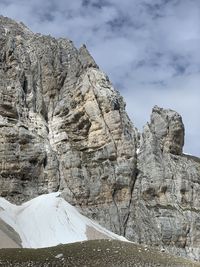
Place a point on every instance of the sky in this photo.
(148, 48)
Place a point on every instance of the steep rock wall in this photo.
(165, 201)
(64, 127)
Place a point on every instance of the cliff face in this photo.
(63, 127)
(165, 201)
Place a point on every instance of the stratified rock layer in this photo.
(165, 201)
(64, 127)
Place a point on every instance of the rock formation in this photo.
(165, 200)
(64, 127)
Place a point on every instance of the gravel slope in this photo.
(94, 253)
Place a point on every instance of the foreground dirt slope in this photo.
(96, 253)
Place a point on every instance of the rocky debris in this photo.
(64, 127)
(93, 253)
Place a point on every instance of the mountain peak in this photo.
(169, 129)
(63, 127)
(10, 26)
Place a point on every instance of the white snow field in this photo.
(48, 220)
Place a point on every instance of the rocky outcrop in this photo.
(165, 201)
(64, 127)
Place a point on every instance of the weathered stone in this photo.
(64, 127)
(165, 200)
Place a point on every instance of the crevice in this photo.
(118, 216)
(115, 145)
(132, 186)
(25, 85)
(122, 225)
(59, 173)
(45, 162)
(52, 153)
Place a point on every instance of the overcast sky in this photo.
(150, 49)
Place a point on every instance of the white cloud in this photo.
(149, 48)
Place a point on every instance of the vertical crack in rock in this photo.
(122, 225)
(117, 211)
(126, 219)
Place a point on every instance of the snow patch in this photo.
(49, 220)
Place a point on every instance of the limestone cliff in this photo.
(165, 202)
(64, 127)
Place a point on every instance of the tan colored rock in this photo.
(8, 237)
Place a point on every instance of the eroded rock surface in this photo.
(64, 127)
(165, 201)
